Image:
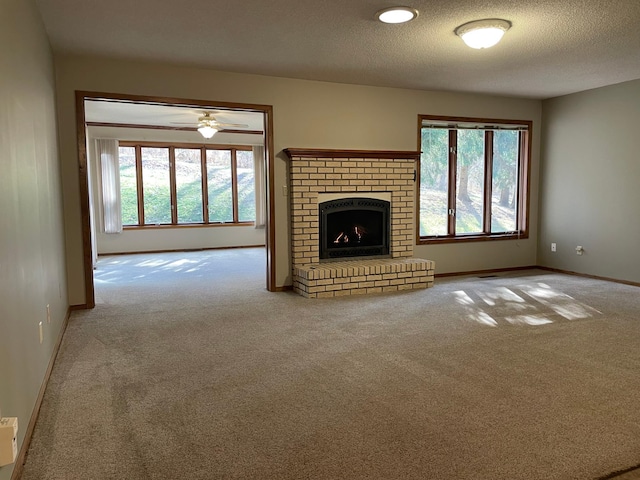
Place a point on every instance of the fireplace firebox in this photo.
(354, 227)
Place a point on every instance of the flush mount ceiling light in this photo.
(483, 33)
(397, 14)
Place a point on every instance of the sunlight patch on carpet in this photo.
(533, 304)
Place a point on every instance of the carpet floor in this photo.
(189, 369)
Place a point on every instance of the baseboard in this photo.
(586, 275)
(484, 272)
(284, 288)
(538, 267)
(22, 454)
(204, 249)
(621, 474)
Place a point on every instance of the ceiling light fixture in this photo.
(207, 131)
(397, 14)
(483, 33)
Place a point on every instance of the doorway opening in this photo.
(179, 120)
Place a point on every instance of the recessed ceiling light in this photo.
(483, 33)
(397, 14)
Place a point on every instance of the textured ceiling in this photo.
(554, 47)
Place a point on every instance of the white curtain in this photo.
(93, 177)
(261, 195)
(109, 166)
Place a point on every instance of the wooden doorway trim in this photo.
(85, 212)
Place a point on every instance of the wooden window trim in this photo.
(133, 143)
(453, 180)
(188, 225)
(234, 184)
(205, 186)
(233, 149)
(140, 190)
(173, 189)
(522, 198)
(488, 183)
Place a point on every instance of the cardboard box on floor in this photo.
(8, 440)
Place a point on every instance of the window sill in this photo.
(187, 225)
(472, 238)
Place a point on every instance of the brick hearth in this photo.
(354, 174)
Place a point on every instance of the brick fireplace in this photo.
(319, 176)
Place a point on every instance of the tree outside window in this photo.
(156, 190)
(473, 179)
(164, 184)
(128, 185)
(246, 186)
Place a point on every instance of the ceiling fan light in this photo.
(483, 33)
(207, 131)
(397, 14)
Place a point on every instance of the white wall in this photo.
(166, 239)
(306, 114)
(590, 182)
(163, 238)
(32, 252)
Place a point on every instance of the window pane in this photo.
(246, 186)
(189, 185)
(128, 185)
(470, 176)
(434, 182)
(505, 181)
(155, 183)
(219, 186)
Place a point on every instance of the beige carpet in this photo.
(189, 369)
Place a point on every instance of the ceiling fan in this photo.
(208, 126)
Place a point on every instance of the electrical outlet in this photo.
(579, 250)
(48, 314)
(553, 247)
(41, 332)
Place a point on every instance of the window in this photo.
(128, 185)
(163, 184)
(473, 179)
(189, 194)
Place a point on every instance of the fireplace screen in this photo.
(354, 227)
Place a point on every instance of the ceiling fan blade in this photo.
(236, 125)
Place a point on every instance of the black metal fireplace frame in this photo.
(354, 203)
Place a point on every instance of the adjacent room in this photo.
(319, 240)
(151, 170)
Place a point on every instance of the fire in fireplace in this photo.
(354, 227)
